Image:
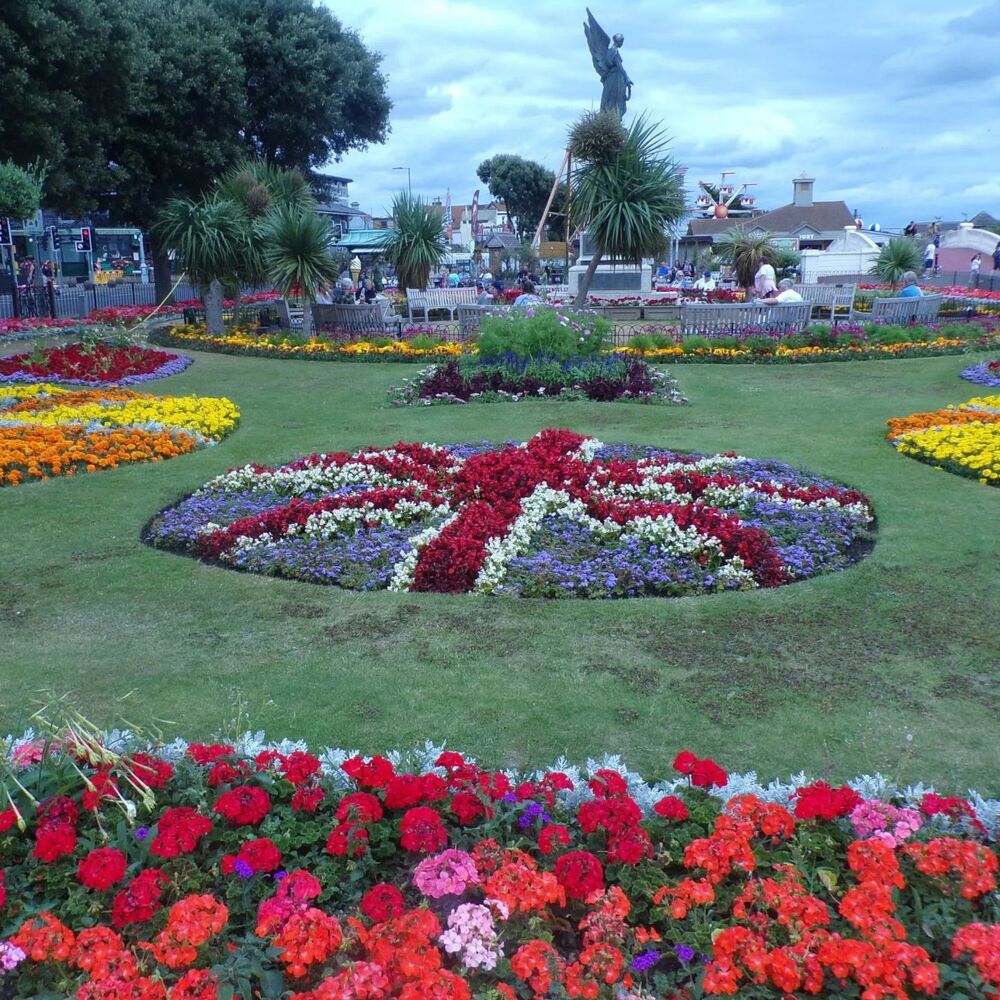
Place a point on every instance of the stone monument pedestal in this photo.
(612, 277)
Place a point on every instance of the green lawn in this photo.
(891, 665)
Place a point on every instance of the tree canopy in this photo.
(134, 103)
(522, 185)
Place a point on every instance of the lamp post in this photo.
(409, 186)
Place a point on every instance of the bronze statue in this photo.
(608, 63)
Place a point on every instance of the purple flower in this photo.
(645, 961)
(243, 869)
(279, 874)
(684, 953)
(141, 832)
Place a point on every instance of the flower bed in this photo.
(986, 373)
(416, 345)
(513, 379)
(96, 365)
(963, 439)
(195, 872)
(562, 516)
(49, 431)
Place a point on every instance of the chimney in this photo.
(803, 191)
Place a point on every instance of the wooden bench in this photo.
(705, 318)
(829, 297)
(364, 319)
(908, 309)
(439, 298)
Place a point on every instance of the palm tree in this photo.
(417, 244)
(208, 235)
(625, 195)
(897, 257)
(296, 254)
(747, 252)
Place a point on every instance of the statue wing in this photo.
(598, 42)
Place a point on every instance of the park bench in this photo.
(288, 318)
(829, 297)
(428, 299)
(913, 309)
(705, 318)
(363, 320)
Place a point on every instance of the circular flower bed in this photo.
(49, 431)
(964, 439)
(97, 365)
(987, 373)
(200, 872)
(561, 516)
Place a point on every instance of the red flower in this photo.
(382, 902)
(178, 832)
(422, 831)
(225, 772)
(307, 799)
(101, 868)
(404, 790)
(671, 807)
(607, 783)
(244, 805)
(820, 801)
(7, 819)
(707, 773)
(299, 767)
(202, 753)
(262, 855)
(151, 770)
(552, 836)
(53, 840)
(196, 984)
(360, 807)
(580, 873)
(374, 773)
(468, 808)
(3, 890)
(347, 838)
(685, 762)
(140, 899)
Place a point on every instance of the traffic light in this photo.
(55, 241)
(5, 238)
(87, 239)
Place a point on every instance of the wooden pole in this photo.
(569, 203)
(536, 242)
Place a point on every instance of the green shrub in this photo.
(424, 342)
(691, 344)
(542, 332)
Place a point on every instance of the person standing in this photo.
(996, 258)
(930, 252)
(764, 283)
(974, 265)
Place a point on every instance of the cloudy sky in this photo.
(893, 107)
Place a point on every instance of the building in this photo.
(803, 224)
(342, 215)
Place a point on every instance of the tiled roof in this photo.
(821, 216)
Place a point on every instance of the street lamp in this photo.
(409, 186)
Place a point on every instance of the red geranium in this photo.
(299, 767)
(422, 831)
(150, 770)
(381, 902)
(374, 773)
(178, 832)
(347, 838)
(307, 799)
(671, 807)
(580, 873)
(140, 899)
(552, 836)
(360, 807)
(53, 840)
(468, 808)
(244, 805)
(820, 801)
(101, 868)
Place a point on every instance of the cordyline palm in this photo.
(897, 257)
(257, 187)
(417, 244)
(747, 252)
(297, 254)
(208, 236)
(628, 198)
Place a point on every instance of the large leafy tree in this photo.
(522, 185)
(312, 89)
(626, 192)
(135, 103)
(68, 69)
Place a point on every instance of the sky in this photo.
(893, 107)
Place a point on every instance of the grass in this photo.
(891, 665)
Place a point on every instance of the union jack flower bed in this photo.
(560, 516)
(98, 365)
(189, 871)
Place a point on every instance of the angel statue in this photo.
(608, 63)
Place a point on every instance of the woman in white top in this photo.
(764, 281)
